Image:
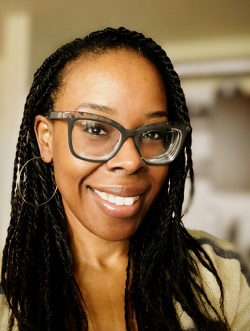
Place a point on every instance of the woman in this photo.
(96, 240)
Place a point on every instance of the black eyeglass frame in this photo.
(73, 116)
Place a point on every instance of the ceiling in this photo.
(54, 22)
(161, 19)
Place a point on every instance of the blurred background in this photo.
(209, 44)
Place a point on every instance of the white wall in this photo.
(14, 67)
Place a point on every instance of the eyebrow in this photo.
(112, 111)
(157, 114)
(95, 106)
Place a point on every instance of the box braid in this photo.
(37, 272)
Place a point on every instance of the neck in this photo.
(90, 251)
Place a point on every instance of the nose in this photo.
(127, 158)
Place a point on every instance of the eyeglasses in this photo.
(97, 139)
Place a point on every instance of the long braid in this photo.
(37, 236)
(37, 263)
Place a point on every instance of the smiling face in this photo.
(109, 200)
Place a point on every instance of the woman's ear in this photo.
(44, 133)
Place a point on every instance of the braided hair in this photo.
(37, 275)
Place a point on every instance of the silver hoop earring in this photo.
(19, 188)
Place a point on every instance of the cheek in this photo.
(159, 175)
(68, 170)
(70, 173)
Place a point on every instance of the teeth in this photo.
(119, 201)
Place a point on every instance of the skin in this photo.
(130, 91)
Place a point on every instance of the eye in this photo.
(94, 129)
(152, 135)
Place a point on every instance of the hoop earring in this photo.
(19, 188)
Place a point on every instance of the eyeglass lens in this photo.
(94, 140)
(98, 141)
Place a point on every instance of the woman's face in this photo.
(109, 200)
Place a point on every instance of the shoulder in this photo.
(222, 253)
(206, 239)
(4, 312)
(4, 309)
(234, 274)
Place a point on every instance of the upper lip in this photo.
(122, 191)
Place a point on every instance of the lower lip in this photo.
(118, 212)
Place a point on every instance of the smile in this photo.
(117, 200)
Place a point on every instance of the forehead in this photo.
(111, 78)
(113, 61)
